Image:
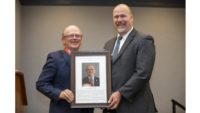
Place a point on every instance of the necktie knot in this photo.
(120, 37)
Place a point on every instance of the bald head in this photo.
(123, 7)
(71, 28)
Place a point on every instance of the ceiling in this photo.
(136, 3)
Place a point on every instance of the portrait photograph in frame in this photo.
(90, 79)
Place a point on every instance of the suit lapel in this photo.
(66, 57)
(126, 43)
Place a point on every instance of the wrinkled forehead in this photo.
(72, 30)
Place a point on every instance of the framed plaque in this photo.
(90, 79)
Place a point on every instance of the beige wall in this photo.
(41, 28)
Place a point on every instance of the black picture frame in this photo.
(91, 97)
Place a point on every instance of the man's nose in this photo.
(119, 18)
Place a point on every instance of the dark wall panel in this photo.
(136, 3)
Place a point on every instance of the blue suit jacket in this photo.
(54, 78)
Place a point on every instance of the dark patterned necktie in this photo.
(116, 49)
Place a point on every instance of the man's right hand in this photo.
(67, 95)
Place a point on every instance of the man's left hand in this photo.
(114, 100)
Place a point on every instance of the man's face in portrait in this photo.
(90, 70)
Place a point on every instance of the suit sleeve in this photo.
(144, 66)
(44, 83)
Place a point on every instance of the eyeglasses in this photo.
(77, 36)
(90, 69)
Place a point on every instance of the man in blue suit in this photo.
(54, 80)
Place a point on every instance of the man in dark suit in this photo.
(54, 80)
(90, 79)
(133, 56)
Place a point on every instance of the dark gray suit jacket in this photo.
(131, 72)
(86, 81)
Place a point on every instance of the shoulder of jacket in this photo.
(111, 40)
(143, 36)
(55, 53)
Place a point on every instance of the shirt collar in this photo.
(92, 77)
(67, 51)
(125, 35)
